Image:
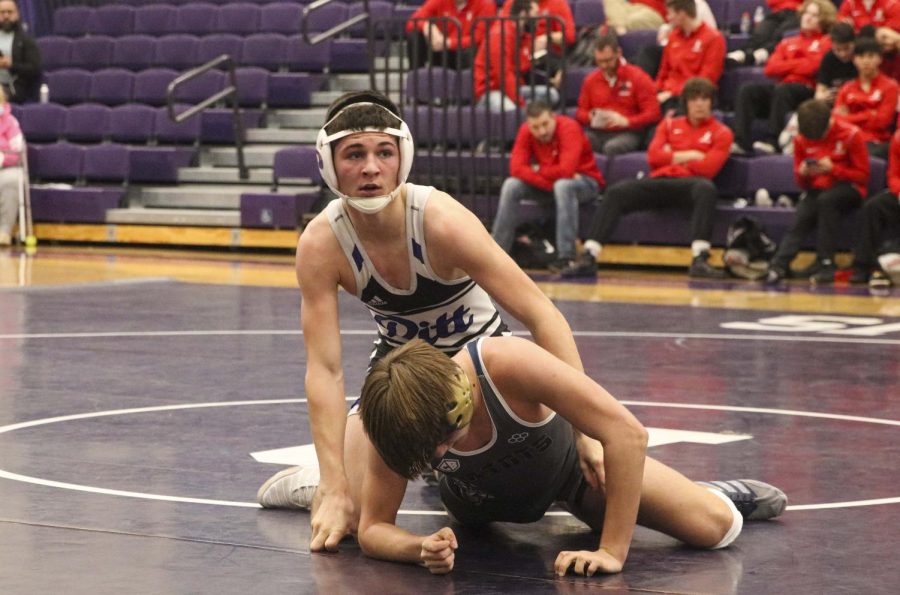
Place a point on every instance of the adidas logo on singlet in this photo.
(376, 301)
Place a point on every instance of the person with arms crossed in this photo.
(495, 422)
(424, 266)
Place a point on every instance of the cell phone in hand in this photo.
(810, 162)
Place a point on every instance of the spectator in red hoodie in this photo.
(694, 50)
(441, 41)
(686, 154)
(617, 101)
(783, 16)
(832, 166)
(876, 255)
(794, 65)
(869, 101)
(551, 162)
(878, 13)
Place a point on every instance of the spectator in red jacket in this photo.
(617, 101)
(793, 65)
(832, 166)
(551, 162)
(632, 15)
(685, 155)
(559, 37)
(870, 100)
(783, 16)
(880, 13)
(693, 50)
(507, 51)
(876, 255)
(441, 41)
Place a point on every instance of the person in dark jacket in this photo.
(20, 57)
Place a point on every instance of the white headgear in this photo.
(326, 162)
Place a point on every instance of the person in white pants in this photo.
(11, 143)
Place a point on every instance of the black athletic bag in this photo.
(748, 249)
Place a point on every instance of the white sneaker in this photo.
(764, 148)
(737, 149)
(738, 56)
(784, 201)
(762, 198)
(292, 488)
(760, 56)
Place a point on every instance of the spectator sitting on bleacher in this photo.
(443, 42)
(558, 38)
(551, 161)
(793, 64)
(831, 164)
(877, 13)
(507, 49)
(650, 56)
(686, 153)
(20, 57)
(869, 101)
(632, 15)
(10, 172)
(693, 50)
(837, 65)
(875, 254)
(889, 40)
(783, 16)
(617, 101)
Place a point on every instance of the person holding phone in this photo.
(831, 164)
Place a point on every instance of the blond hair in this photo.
(827, 13)
(403, 405)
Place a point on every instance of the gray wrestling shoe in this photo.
(755, 500)
(292, 488)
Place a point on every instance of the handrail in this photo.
(229, 92)
(314, 6)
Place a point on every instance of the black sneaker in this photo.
(774, 275)
(859, 276)
(755, 500)
(700, 268)
(558, 264)
(825, 274)
(583, 266)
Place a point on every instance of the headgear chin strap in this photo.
(372, 204)
(461, 406)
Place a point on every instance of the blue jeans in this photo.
(497, 102)
(567, 194)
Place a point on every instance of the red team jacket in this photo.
(779, 5)
(497, 45)
(873, 111)
(796, 59)
(633, 95)
(844, 144)
(559, 8)
(702, 53)
(893, 170)
(472, 10)
(657, 5)
(884, 13)
(676, 134)
(554, 160)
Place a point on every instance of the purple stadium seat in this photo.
(733, 78)
(178, 51)
(112, 86)
(266, 50)
(327, 17)
(240, 17)
(87, 122)
(154, 19)
(293, 89)
(877, 175)
(732, 178)
(197, 18)
(217, 126)
(633, 41)
(772, 172)
(92, 52)
(42, 122)
(573, 82)
(60, 161)
(482, 125)
(170, 132)
(627, 166)
(275, 211)
(424, 85)
(150, 85)
(213, 46)
(280, 17)
(105, 162)
(158, 164)
(134, 52)
(296, 163)
(56, 51)
(68, 85)
(588, 13)
(113, 20)
(201, 88)
(379, 11)
(350, 55)
(252, 86)
(307, 58)
(132, 123)
(719, 10)
(72, 21)
(74, 205)
(736, 8)
(429, 125)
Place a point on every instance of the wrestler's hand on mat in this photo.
(590, 457)
(587, 563)
(331, 520)
(438, 551)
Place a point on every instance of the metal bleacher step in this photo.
(176, 217)
(311, 118)
(254, 155)
(295, 135)
(206, 196)
(324, 98)
(362, 82)
(223, 175)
